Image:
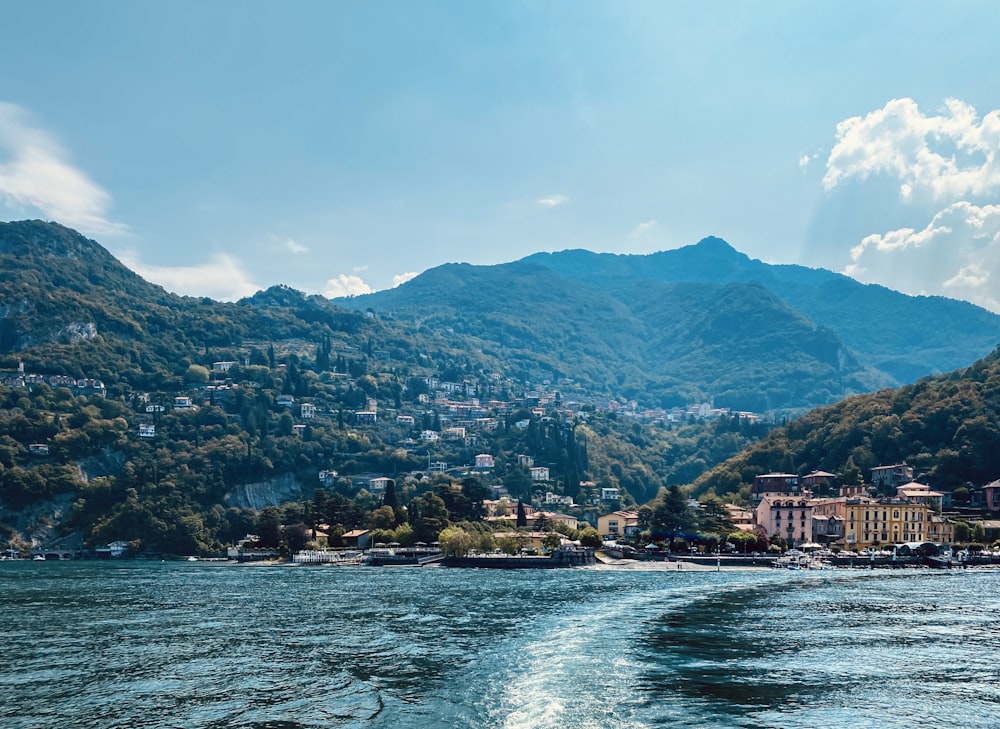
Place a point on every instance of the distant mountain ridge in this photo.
(664, 329)
(700, 321)
(906, 337)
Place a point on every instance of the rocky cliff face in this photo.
(265, 493)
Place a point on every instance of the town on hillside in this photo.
(520, 502)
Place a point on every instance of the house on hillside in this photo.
(991, 496)
(618, 525)
(820, 482)
(919, 493)
(891, 477)
(539, 473)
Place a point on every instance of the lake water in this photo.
(213, 646)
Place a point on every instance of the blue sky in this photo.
(219, 148)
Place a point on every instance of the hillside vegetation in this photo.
(135, 466)
(519, 362)
(946, 426)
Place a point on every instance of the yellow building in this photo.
(618, 524)
(940, 530)
(878, 523)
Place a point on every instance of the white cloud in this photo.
(295, 246)
(969, 277)
(346, 285)
(642, 238)
(35, 176)
(221, 277)
(401, 278)
(804, 160)
(552, 201)
(954, 255)
(946, 157)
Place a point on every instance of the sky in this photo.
(343, 147)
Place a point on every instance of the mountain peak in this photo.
(23, 237)
(711, 244)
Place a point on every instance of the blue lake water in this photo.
(213, 646)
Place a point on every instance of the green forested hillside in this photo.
(904, 337)
(114, 457)
(946, 426)
(506, 361)
(663, 343)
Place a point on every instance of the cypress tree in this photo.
(522, 516)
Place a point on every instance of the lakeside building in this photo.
(921, 494)
(742, 518)
(789, 518)
(618, 524)
(940, 530)
(858, 522)
(787, 485)
(872, 523)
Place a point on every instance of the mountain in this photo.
(130, 465)
(67, 305)
(129, 413)
(905, 337)
(699, 322)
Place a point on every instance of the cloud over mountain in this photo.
(36, 176)
(949, 155)
(948, 175)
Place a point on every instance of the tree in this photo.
(320, 506)
(433, 518)
(590, 538)
(268, 526)
(714, 518)
(672, 514)
(522, 516)
(552, 541)
(978, 533)
(390, 499)
(455, 542)
(296, 537)
(963, 532)
(382, 518)
(476, 493)
(196, 374)
(743, 541)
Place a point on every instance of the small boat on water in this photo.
(38, 558)
(793, 559)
